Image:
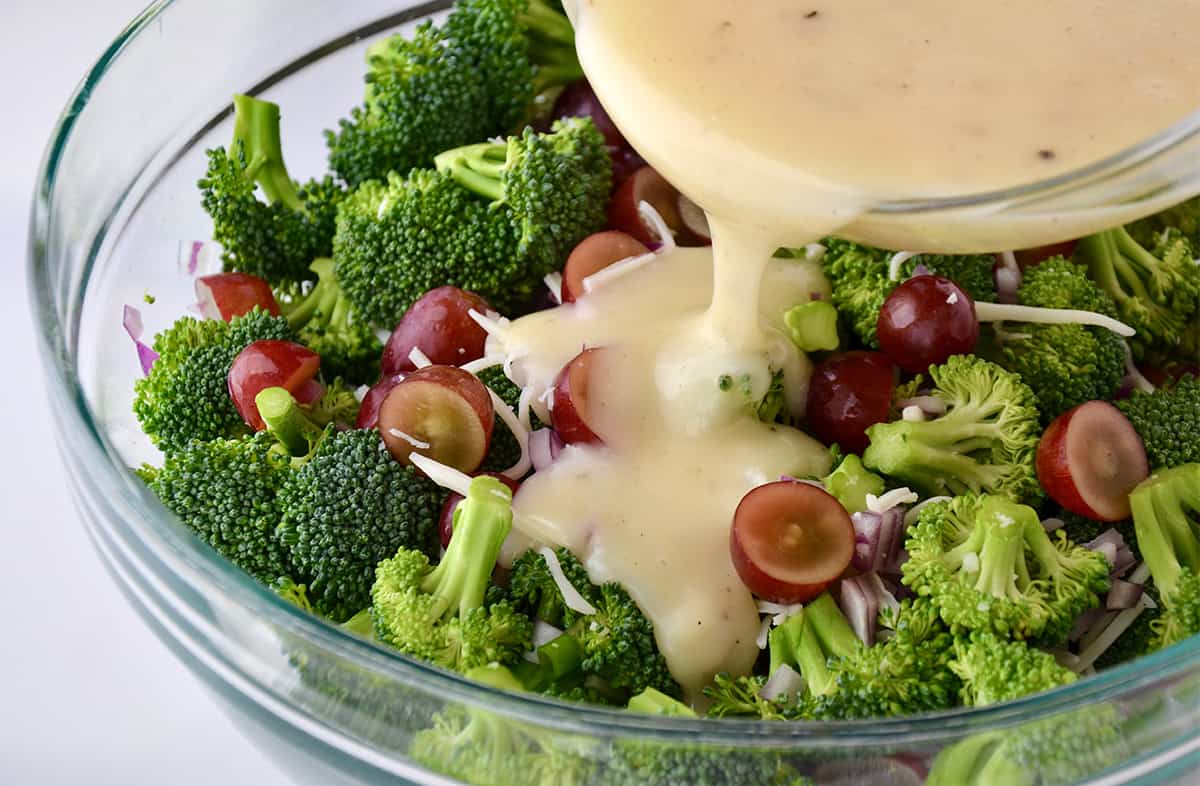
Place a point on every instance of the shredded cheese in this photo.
(616, 270)
(439, 473)
(518, 429)
(554, 283)
(419, 444)
(649, 215)
(575, 601)
(896, 264)
(419, 358)
(1007, 312)
(884, 503)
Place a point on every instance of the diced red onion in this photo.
(921, 270)
(861, 607)
(132, 322)
(1123, 595)
(1111, 544)
(199, 257)
(1052, 524)
(544, 447)
(878, 540)
(784, 681)
(866, 539)
(1085, 622)
(1008, 281)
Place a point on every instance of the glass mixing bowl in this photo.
(116, 200)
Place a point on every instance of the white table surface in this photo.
(87, 694)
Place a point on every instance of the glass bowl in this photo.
(115, 202)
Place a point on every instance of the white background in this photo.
(87, 695)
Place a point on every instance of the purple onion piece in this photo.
(867, 526)
(891, 533)
(784, 681)
(132, 322)
(540, 449)
(1084, 623)
(1110, 535)
(921, 270)
(1123, 595)
(1008, 281)
(1053, 524)
(861, 607)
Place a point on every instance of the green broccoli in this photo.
(1168, 421)
(185, 396)
(851, 482)
(1156, 290)
(474, 77)
(475, 745)
(504, 450)
(741, 697)
(986, 442)
(1165, 509)
(439, 613)
(861, 279)
(1064, 364)
(619, 655)
(638, 762)
(276, 239)
(1065, 748)
(1081, 529)
(987, 564)
(324, 321)
(225, 490)
(906, 674)
(399, 239)
(296, 594)
(811, 640)
(347, 507)
(995, 670)
(1183, 218)
(813, 326)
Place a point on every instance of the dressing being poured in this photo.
(787, 121)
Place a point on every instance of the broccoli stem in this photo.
(654, 702)
(476, 168)
(1164, 534)
(286, 421)
(324, 298)
(1003, 545)
(542, 21)
(481, 523)
(256, 130)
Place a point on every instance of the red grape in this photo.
(926, 320)
(441, 412)
(593, 254)
(440, 326)
(270, 363)
(446, 520)
(570, 415)
(849, 393)
(790, 540)
(647, 185)
(228, 295)
(368, 410)
(1090, 458)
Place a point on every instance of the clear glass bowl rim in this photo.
(56, 343)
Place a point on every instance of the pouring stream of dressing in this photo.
(787, 121)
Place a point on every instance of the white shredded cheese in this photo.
(419, 358)
(482, 364)
(896, 264)
(554, 283)
(575, 601)
(1008, 312)
(493, 323)
(446, 477)
(419, 444)
(524, 462)
(889, 500)
(651, 217)
(814, 252)
(616, 270)
(1135, 375)
(764, 633)
(912, 413)
(523, 404)
(361, 391)
(1111, 633)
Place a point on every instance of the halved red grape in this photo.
(440, 326)
(446, 520)
(1090, 458)
(570, 414)
(790, 540)
(647, 185)
(848, 394)
(228, 295)
(368, 410)
(926, 320)
(271, 363)
(441, 412)
(593, 254)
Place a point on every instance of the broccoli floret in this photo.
(438, 613)
(185, 396)
(474, 77)
(477, 746)
(1165, 509)
(225, 491)
(635, 762)
(995, 670)
(987, 564)
(1068, 364)
(324, 321)
(276, 239)
(397, 240)
(1168, 421)
(986, 442)
(348, 507)
(296, 594)
(741, 697)
(861, 281)
(504, 450)
(1065, 748)
(906, 674)
(851, 482)
(1156, 290)
(1183, 218)
(619, 654)
(808, 641)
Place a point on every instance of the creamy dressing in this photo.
(786, 121)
